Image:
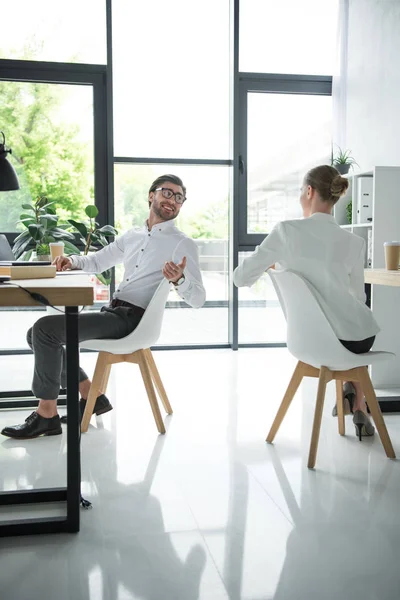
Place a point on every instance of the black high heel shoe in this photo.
(363, 425)
(349, 395)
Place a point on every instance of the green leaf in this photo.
(105, 277)
(42, 249)
(22, 236)
(24, 218)
(61, 234)
(81, 227)
(37, 231)
(103, 241)
(63, 226)
(92, 211)
(70, 249)
(108, 230)
(28, 207)
(47, 205)
(48, 221)
(20, 246)
(27, 254)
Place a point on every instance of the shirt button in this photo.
(142, 249)
(127, 279)
(148, 234)
(137, 266)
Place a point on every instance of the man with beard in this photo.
(149, 253)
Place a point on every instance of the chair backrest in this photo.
(310, 337)
(148, 331)
(5, 249)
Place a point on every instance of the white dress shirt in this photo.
(143, 254)
(330, 258)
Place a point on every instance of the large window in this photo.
(50, 130)
(286, 135)
(239, 118)
(204, 217)
(261, 319)
(288, 36)
(47, 30)
(171, 78)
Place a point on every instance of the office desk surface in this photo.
(382, 277)
(63, 290)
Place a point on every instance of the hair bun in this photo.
(339, 186)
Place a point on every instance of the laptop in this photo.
(5, 249)
(7, 258)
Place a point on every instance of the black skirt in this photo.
(359, 347)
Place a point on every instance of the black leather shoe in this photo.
(101, 406)
(35, 425)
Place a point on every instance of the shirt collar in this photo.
(160, 226)
(318, 216)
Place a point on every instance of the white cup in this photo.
(56, 249)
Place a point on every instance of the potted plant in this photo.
(41, 228)
(91, 233)
(342, 160)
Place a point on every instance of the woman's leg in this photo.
(359, 401)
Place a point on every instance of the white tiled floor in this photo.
(209, 511)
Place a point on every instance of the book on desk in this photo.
(27, 270)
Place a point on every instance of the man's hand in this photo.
(62, 263)
(174, 272)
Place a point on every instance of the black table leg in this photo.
(73, 429)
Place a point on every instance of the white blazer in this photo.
(330, 258)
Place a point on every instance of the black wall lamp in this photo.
(8, 176)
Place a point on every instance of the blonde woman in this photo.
(332, 260)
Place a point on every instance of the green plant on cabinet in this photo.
(349, 212)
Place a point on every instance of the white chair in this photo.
(134, 348)
(311, 340)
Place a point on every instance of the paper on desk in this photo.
(77, 272)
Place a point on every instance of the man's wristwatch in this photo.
(180, 281)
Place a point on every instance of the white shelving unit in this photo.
(385, 226)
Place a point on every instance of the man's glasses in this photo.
(168, 193)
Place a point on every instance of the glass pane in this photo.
(261, 319)
(288, 36)
(43, 30)
(171, 78)
(204, 217)
(287, 134)
(49, 128)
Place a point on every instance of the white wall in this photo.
(373, 82)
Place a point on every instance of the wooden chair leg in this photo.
(375, 410)
(96, 387)
(340, 407)
(146, 374)
(292, 388)
(106, 377)
(324, 376)
(157, 381)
